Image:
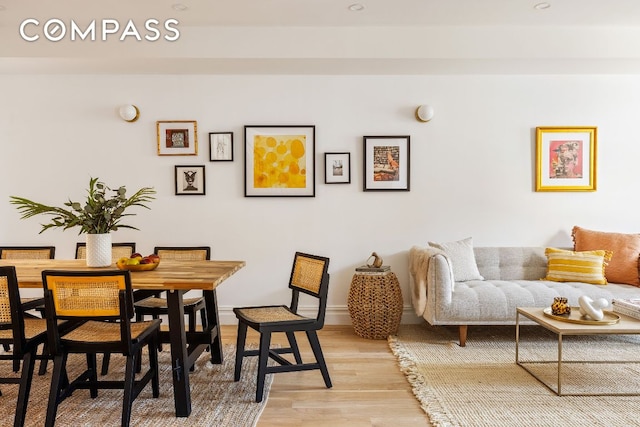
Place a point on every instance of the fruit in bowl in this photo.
(138, 262)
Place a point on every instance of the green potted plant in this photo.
(101, 214)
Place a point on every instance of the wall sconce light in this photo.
(129, 113)
(424, 113)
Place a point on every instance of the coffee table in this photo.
(625, 326)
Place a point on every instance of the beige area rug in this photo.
(216, 400)
(480, 384)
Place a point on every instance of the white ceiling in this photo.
(324, 36)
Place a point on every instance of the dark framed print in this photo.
(190, 180)
(387, 163)
(221, 146)
(279, 161)
(337, 168)
(177, 137)
(566, 158)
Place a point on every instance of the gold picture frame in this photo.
(566, 158)
(177, 137)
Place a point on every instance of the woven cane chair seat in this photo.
(104, 332)
(270, 314)
(160, 303)
(32, 328)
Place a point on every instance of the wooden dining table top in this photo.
(169, 275)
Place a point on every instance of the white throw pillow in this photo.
(463, 260)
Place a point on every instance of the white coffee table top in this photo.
(626, 325)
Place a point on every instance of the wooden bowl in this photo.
(139, 267)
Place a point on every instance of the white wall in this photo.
(472, 166)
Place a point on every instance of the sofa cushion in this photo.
(462, 258)
(572, 266)
(623, 267)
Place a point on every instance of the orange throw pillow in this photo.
(623, 267)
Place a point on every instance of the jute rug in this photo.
(216, 400)
(480, 384)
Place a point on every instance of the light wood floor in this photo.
(368, 387)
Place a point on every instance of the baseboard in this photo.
(336, 315)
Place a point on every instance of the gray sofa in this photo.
(511, 279)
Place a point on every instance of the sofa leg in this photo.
(462, 335)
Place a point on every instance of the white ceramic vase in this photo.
(98, 250)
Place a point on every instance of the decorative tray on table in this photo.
(576, 317)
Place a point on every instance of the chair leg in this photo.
(294, 347)
(263, 358)
(153, 363)
(105, 363)
(92, 366)
(43, 363)
(317, 352)
(129, 377)
(28, 364)
(242, 336)
(205, 324)
(59, 362)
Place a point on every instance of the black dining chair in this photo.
(118, 250)
(98, 306)
(156, 306)
(310, 276)
(29, 304)
(24, 333)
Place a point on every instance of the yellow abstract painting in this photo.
(279, 161)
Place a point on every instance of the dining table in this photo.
(176, 277)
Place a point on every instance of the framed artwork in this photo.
(177, 138)
(190, 180)
(337, 168)
(386, 163)
(221, 146)
(279, 161)
(566, 158)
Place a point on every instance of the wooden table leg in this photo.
(178, 341)
(213, 320)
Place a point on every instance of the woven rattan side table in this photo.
(375, 304)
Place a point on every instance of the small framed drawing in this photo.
(566, 158)
(337, 168)
(279, 161)
(221, 146)
(177, 138)
(190, 180)
(386, 163)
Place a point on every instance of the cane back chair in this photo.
(310, 276)
(118, 250)
(24, 333)
(155, 306)
(28, 252)
(30, 303)
(99, 306)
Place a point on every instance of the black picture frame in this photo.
(190, 180)
(337, 168)
(387, 163)
(220, 146)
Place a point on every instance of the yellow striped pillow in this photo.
(572, 266)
